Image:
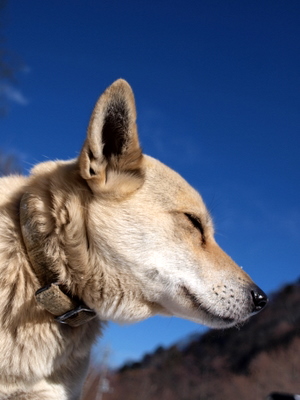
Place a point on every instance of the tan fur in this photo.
(116, 229)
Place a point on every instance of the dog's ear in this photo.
(111, 158)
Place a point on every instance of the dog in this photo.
(113, 235)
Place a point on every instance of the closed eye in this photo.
(196, 222)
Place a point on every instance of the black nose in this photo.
(259, 298)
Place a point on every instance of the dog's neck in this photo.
(51, 295)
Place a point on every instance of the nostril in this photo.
(259, 298)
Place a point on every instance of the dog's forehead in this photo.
(171, 189)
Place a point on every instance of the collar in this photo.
(65, 309)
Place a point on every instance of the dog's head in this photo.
(136, 240)
(154, 229)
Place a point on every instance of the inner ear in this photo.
(115, 129)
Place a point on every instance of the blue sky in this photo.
(217, 87)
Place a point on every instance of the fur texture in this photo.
(116, 229)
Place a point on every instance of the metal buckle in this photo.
(76, 317)
(65, 309)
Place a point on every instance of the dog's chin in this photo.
(210, 320)
(217, 322)
(203, 315)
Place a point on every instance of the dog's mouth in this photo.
(198, 306)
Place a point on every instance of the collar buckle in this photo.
(65, 309)
(76, 317)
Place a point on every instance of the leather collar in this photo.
(65, 309)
